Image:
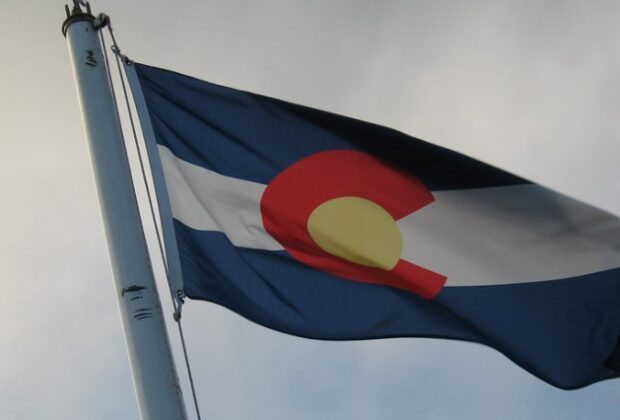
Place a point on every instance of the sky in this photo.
(531, 87)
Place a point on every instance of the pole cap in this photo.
(77, 14)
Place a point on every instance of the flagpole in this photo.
(154, 375)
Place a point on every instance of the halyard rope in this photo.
(177, 302)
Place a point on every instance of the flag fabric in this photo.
(326, 227)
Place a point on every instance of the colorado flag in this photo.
(326, 227)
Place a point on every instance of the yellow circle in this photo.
(357, 230)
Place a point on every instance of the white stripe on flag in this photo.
(484, 236)
(205, 200)
(512, 234)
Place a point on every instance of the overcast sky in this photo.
(530, 86)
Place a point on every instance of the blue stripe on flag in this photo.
(253, 137)
(555, 329)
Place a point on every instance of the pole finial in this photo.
(78, 3)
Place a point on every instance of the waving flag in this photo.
(326, 227)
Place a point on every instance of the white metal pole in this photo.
(154, 375)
